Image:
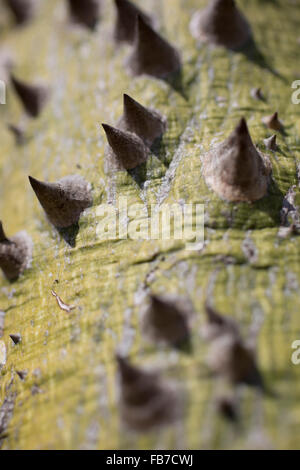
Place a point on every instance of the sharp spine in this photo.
(64, 200)
(146, 401)
(127, 149)
(146, 123)
(126, 18)
(33, 97)
(235, 169)
(167, 320)
(221, 23)
(15, 254)
(152, 54)
(273, 122)
(16, 338)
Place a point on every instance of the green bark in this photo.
(70, 358)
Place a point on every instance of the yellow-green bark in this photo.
(78, 406)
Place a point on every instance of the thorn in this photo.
(16, 338)
(63, 201)
(23, 10)
(272, 122)
(270, 143)
(235, 170)
(18, 132)
(167, 321)
(129, 374)
(22, 374)
(244, 366)
(3, 237)
(146, 401)
(230, 358)
(257, 94)
(128, 149)
(126, 18)
(227, 408)
(218, 325)
(86, 13)
(242, 129)
(146, 123)
(33, 97)
(152, 54)
(15, 254)
(221, 23)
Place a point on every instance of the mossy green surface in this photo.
(71, 357)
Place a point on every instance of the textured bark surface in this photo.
(69, 399)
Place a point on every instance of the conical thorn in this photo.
(146, 123)
(63, 201)
(221, 23)
(152, 54)
(235, 169)
(125, 21)
(127, 149)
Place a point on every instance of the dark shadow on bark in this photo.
(69, 234)
(158, 149)
(271, 204)
(139, 174)
(186, 347)
(254, 54)
(175, 81)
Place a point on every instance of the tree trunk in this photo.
(69, 398)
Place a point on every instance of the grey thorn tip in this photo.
(242, 127)
(221, 23)
(36, 184)
(41, 189)
(128, 150)
(148, 124)
(167, 320)
(152, 54)
(273, 122)
(235, 169)
(16, 338)
(64, 200)
(270, 143)
(33, 97)
(126, 18)
(240, 139)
